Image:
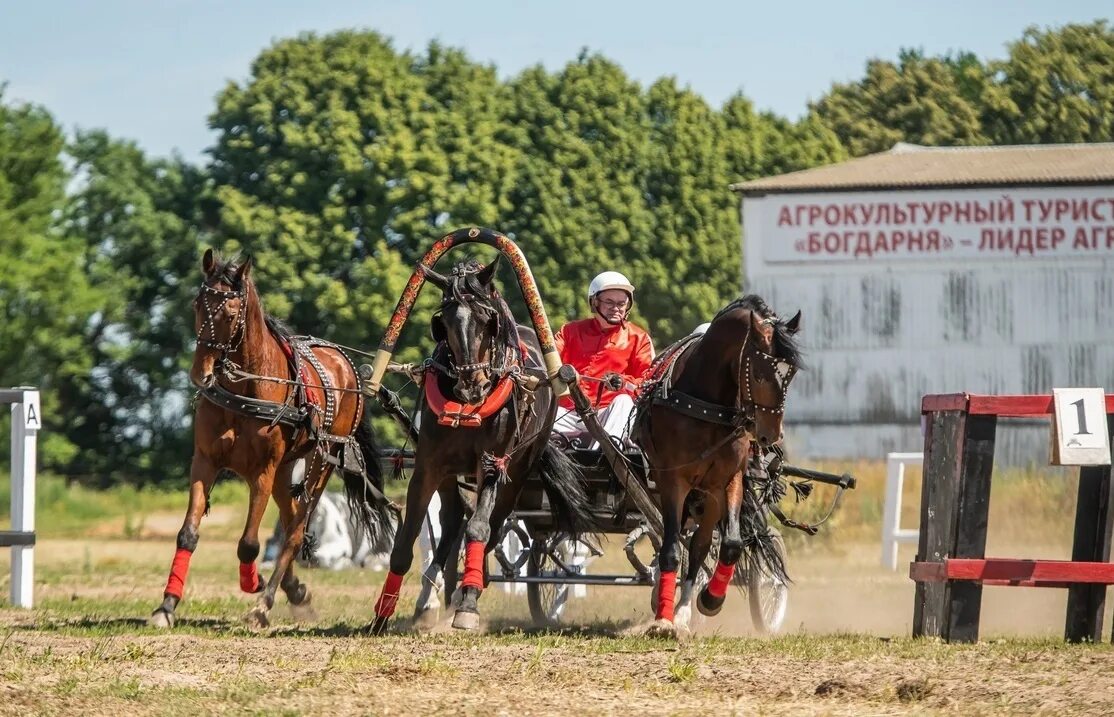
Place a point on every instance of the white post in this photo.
(26, 422)
(892, 534)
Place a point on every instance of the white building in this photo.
(924, 270)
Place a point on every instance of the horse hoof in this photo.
(426, 620)
(662, 628)
(465, 620)
(708, 605)
(257, 619)
(161, 619)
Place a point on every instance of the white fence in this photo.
(892, 533)
(26, 422)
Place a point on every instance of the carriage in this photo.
(304, 416)
(534, 552)
(533, 549)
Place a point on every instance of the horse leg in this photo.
(477, 534)
(418, 494)
(673, 489)
(248, 550)
(202, 475)
(450, 516)
(699, 546)
(712, 596)
(297, 593)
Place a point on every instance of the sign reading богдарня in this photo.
(1069, 222)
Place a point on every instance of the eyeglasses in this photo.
(608, 303)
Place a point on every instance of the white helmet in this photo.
(610, 280)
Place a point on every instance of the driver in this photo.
(610, 353)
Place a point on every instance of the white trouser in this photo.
(614, 419)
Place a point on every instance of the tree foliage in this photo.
(339, 159)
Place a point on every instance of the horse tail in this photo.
(760, 546)
(564, 486)
(374, 513)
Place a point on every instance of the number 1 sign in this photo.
(1080, 436)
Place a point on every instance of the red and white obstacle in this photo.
(951, 566)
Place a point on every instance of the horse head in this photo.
(220, 314)
(475, 325)
(764, 362)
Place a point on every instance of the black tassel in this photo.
(309, 547)
(802, 490)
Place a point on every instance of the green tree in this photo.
(578, 205)
(140, 222)
(689, 264)
(46, 301)
(339, 162)
(920, 100)
(762, 144)
(1056, 86)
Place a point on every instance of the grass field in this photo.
(102, 562)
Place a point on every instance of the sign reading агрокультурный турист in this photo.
(1076, 222)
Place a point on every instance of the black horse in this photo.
(486, 415)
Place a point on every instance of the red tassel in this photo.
(473, 565)
(667, 590)
(176, 583)
(388, 599)
(249, 578)
(717, 587)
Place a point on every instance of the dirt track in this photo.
(86, 650)
(176, 674)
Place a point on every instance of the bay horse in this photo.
(708, 400)
(281, 412)
(496, 431)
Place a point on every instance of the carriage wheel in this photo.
(769, 595)
(546, 600)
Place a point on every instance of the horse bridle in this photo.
(784, 370)
(496, 364)
(209, 322)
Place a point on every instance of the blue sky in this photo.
(149, 70)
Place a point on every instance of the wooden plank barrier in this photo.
(951, 566)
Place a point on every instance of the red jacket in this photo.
(625, 349)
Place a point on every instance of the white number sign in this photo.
(1080, 436)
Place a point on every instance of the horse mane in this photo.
(785, 345)
(508, 328)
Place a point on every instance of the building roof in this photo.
(910, 166)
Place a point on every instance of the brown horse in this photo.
(281, 412)
(496, 432)
(710, 397)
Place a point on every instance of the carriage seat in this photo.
(573, 440)
(581, 440)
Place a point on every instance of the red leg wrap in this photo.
(178, 571)
(717, 587)
(249, 578)
(473, 565)
(385, 607)
(667, 590)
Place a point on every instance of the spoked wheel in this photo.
(546, 600)
(769, 595)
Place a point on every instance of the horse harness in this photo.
(512, 383)
(741, 417)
